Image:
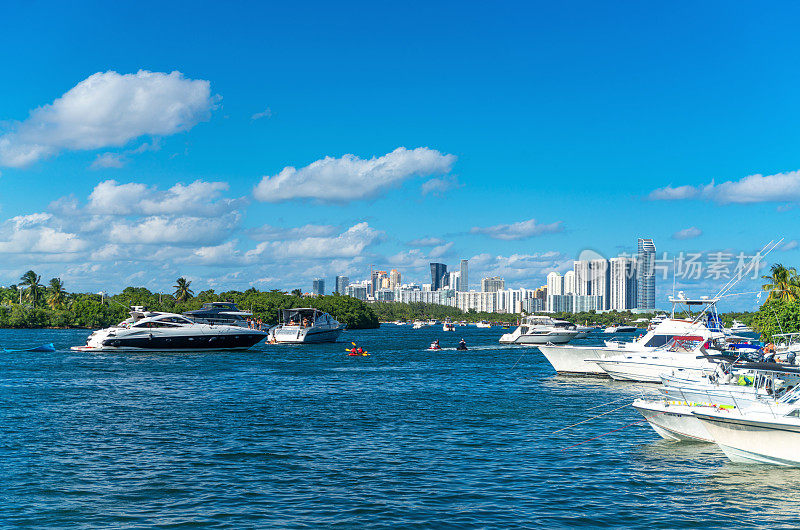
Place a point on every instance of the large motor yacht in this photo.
(156, 331)
(541, 330)
(220, 313)
(305, 325)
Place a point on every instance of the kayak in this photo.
(46, 348)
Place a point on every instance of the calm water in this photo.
(306, 436)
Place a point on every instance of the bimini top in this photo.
(296, 316)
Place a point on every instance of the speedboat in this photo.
(220, 313)
(620, 328)
(157, 331)
(584, 331)
(541, 330)
(762, 433)
(418, 324)
(305, 325)
(483, 324)
(448, 326)
(582, 360)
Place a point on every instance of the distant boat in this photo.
(305, 325)
(541, 330)
(448, 326)
(738, 327)
(620, 328)
(483, 324)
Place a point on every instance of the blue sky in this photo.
(516, 135)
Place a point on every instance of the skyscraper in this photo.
(318, 287)
(377, 276)
(464, 279)
(646, 275)
(555, 284)
(341, 284)
(569, 282)
(493, 284)
(623, 284)
(438, 275)
(394, 279)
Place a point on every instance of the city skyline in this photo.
(153, 161)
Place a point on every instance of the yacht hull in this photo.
(673, 422)
(184, 343)
(575, 359)
(305, 336)
(749, 441)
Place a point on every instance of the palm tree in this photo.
(57, 294)
(182, 291)
(31, 280)
(783, 283)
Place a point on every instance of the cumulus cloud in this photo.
(789, 245)
(108, 109)
(440, 250)
(519, 230)
(352, 178)
(780, 187)
(274, 233)
(200, 198)
(348, 244)
(174, 230)
(687, 233)
(108, 160)
(31, 234)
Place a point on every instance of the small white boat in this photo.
(448, 326)
(762, 433)
(541, 330)
(483, 324)
(418, 324)
(305, 325)
(738, 327)
(620, 328)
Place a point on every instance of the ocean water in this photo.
(306, 436)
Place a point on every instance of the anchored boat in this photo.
(305, 325)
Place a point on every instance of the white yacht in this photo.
(155, 331)
(305, 325)
(762, 433)
(582, 360)
(483, 324)
(738, 327)
(541, 330)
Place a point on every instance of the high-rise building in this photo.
(438, 276)
(394, 279)
(582, 279)
(493, 284)
(555, 284)
(454, 280)
(377, 276)
(318, 286)
(463, 285)
(600, 275)
(569, 282)
(623, 284)
(358, 290)
(646, 275)
(341, 284)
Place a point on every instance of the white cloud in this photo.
(264, 114)
(440, 186)
(108, 160)
(108, 109)
(275, 233)
(351, 178)
(425, 242)
(519, 230)
(348, 244)
(30, 235)
(780, 187)
(440, 250)
(174, 230)
(200, 198)
(790, 245)
(687, 233)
